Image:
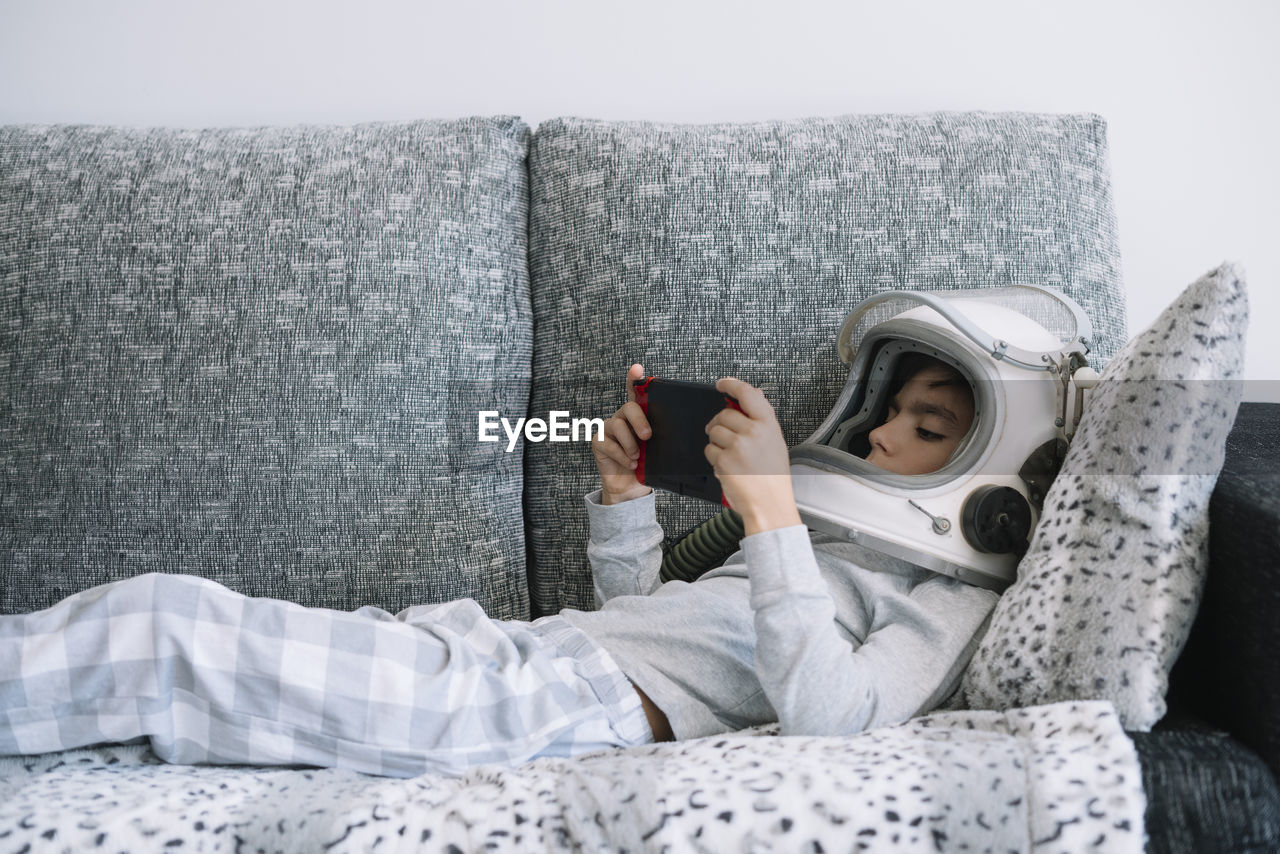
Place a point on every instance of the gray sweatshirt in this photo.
(822, 635)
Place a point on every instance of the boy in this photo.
(823, 636)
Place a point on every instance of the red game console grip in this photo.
(642, 397)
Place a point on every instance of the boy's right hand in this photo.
(616, 453)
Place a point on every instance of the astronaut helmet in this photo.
(1021, 350)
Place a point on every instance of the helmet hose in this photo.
(704, 548)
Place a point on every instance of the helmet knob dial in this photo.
(996, 520)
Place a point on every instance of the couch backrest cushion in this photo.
(709, 250)
(257, 355)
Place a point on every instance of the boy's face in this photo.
(923, 425)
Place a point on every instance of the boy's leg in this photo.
(209, 675)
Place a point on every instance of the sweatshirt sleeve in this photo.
(624, 547)
(820, 683)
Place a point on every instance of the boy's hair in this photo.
(910, 364)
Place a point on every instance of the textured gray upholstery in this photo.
(1229, 672)
(738, 249)
(257, 355)
(1206, 792)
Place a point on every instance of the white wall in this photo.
(1191, 91)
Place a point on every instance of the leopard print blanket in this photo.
(1057, 777)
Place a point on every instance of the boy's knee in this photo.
(160, 591)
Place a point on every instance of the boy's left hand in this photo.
(749, 455)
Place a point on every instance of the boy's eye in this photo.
(928, 436)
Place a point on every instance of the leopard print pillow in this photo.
(1108, 589)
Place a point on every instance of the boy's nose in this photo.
(880, 438)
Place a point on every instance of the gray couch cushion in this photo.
(1206, 792)
(706, 250)
(1229, 672)
(257, 355)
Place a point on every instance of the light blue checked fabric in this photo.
(211, 676)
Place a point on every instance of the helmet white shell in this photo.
(1018, 348)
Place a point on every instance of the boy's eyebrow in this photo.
(922, 407)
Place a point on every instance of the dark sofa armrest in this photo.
(1206, 792)
(1229, 672)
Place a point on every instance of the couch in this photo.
(261, 355)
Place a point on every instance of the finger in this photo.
(612, 451)
(721, 436)
(620, 430)
(731, 418)
(634, 415)
(750, 398)
(620, 457)
(635, 372)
